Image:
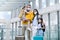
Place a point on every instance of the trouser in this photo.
(24, 27)
(29, 32)
(40, 32)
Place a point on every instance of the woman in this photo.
(35, 22)
(35, 19)
(38, 22)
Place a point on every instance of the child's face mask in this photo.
(28, 8)
(39, 21)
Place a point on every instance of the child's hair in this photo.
(41, 20)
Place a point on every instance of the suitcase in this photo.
(19, 38)
(38, 38)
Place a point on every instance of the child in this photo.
(41, 27)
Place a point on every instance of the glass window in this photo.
(53, 26)
(59, 1)
(12, 32)
(17, 12)
(43, 3)
(53, 20)
(0, 30)
(59, 24)
(45, 18)
(5, 15)
(5, 30)
(37, 4)
(54, 36)
(52, 2)
(31, 4)
(59, 21)
(15, 28)
(0, 38)
(3, 25)
(59, 17)
(0, 34)
(13, 37)
(4, 37)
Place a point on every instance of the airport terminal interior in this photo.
(11, 27)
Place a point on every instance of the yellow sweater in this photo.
(29, 16)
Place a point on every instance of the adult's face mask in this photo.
(35, 13)
(28, 9)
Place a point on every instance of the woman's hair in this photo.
(36, 11)
(41, 20)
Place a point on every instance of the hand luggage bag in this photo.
(38, 38)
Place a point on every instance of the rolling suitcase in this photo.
(19, 38)
(38, 38)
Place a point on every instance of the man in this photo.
(29, 16)
(27, 19)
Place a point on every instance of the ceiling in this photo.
(7, 5)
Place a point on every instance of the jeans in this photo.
(40, 32)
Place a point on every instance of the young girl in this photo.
(41, 27)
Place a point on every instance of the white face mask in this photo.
(35, 12)
(28, 8)
(39, 20)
